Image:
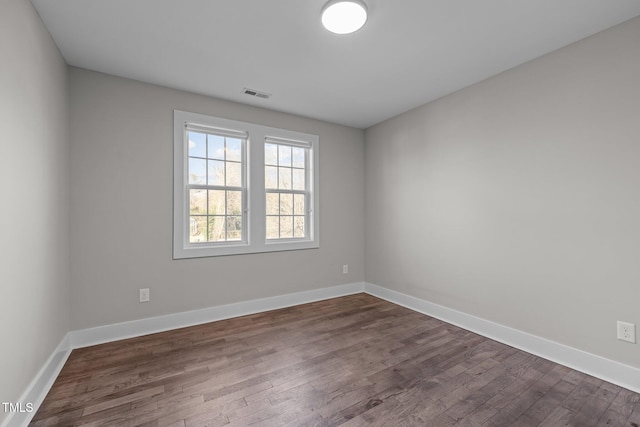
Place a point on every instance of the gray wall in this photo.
(517, 199)
(121, 207)
(34, 250)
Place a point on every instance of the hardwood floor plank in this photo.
(612, 418)
(540, 410)
(511, 414)
(560, 416)
(634, 417)
(126, 399)
(597, 404)
(625, 403)
(350, 361)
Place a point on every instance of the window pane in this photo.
(286, 204)
(197, 171)
(216, 172)
(298, 204)
(197, 229)
(273, 227)
(271, 177)
(234, 202)
(216, 147)
(234, 228)
(284, 178)
(298, 179)
(284, 155)
(216, 202)
(197, 144)
(298, 226)
(216, 229)
(235, 235)
(234, 174)
(234, 149)
(273, 204)
(286, 227)
(298, 157)
(271, 154)
(198, 202)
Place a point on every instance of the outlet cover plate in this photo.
(144, 295)
(627, 332)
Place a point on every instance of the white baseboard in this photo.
(136, 328)
(40, 385)
(608, 370)
(597, 366)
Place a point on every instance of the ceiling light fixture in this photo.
(344, 16)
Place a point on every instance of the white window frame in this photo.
(254, 233)
(304, 192)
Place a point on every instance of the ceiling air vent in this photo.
(256, 93)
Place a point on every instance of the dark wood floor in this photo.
(349, 361)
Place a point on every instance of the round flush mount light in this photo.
(344, 16)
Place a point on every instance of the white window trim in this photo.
(255, 233)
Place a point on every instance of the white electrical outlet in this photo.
(627, 332)
(345, 269)
(144, 295)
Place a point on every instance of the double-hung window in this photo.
(242, 188)
(216, 184)
(287, 188)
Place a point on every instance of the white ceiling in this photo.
(410, 51)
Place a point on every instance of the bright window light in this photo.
(344, 16)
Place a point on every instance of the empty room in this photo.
(320, 213)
